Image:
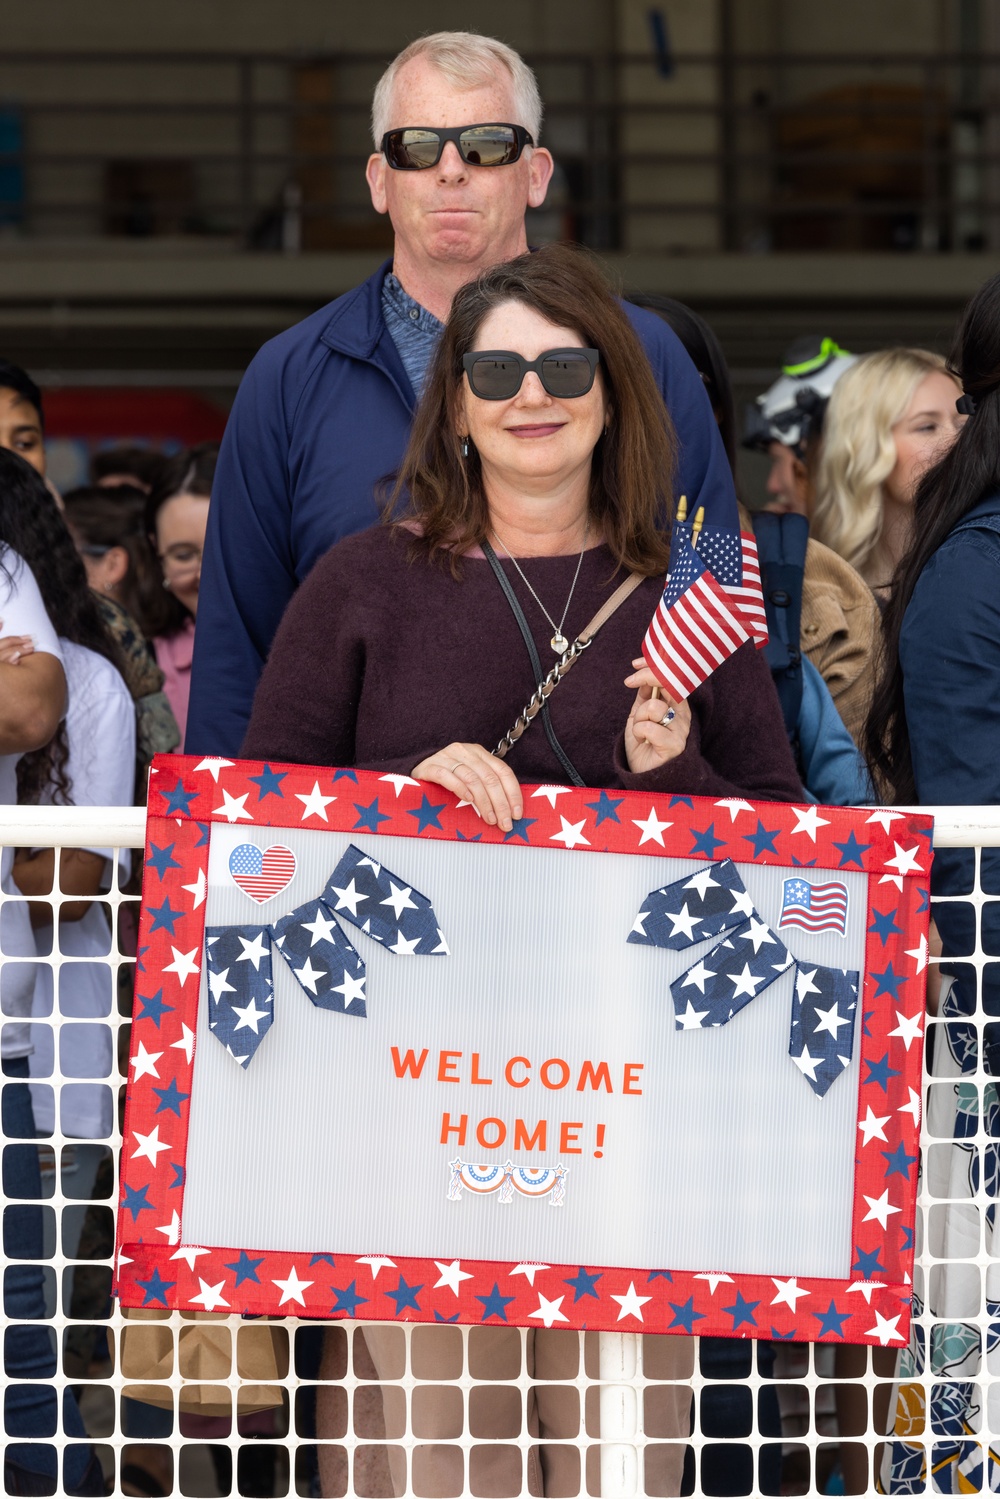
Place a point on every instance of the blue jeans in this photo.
(30, 1410)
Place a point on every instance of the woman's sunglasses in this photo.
(497, 374)
(419, 146)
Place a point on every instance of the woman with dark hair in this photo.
(700, 341)
(22, 428)
(108, 527)
(32, 701)
(933, 736)
(559, 455)
(412, 647)
(127, 466)
(176, 518)
(89, 761)
(31, 526)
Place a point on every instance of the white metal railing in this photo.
(617, 1377)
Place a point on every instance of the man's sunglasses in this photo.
(497, 374)
(418, 146)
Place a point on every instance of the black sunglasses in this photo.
(418, 146)
(497, 374)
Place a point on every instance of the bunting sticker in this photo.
(505, 1180)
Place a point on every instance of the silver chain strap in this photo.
(542, 692)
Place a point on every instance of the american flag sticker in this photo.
(262, 873)
(815, 908)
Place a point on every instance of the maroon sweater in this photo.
(380, 660)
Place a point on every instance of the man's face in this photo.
(21, 428)
(455, 212)
(787, 482)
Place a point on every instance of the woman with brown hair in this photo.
(537, 479)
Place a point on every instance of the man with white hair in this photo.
(324, 410)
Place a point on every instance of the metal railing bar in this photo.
(72, 827)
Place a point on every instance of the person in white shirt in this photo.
(32, 700)
(43, 595)
(100, 730)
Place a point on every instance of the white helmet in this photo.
(792, 409)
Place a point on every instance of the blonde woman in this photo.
(890, 418)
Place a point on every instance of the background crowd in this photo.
(881, 523)
(118, 567)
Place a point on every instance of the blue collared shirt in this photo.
(415, 331)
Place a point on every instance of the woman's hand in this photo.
(14, 647)
(476, 776)
(649, 742)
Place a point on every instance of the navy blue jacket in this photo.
(950, 654)
(323, 413)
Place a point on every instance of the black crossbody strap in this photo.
(536, 665)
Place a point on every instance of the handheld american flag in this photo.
(734, 561)
(711, 605)
(696, 625)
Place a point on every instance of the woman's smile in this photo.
(536, 429)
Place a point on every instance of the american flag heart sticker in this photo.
(262, 873)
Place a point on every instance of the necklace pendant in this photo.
(559, 643)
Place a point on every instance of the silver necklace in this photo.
(559, 643)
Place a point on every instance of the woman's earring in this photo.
(465, 446)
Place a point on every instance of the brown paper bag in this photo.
(204, 1355)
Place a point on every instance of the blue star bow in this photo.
(824, 1010)
(702, 905)
(325, 963)
(381, 904)
(240, 987)
(728, 977)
